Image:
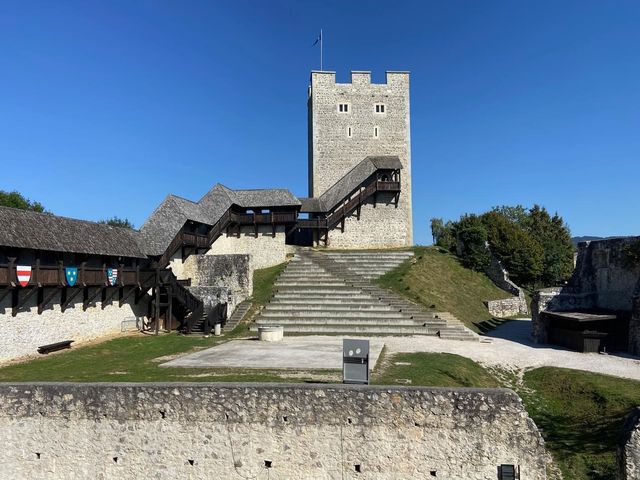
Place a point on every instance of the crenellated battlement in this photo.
(359, 77)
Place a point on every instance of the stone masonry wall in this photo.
(332, 153)
(629, 450)
(220, 278)
(21, 335)
(602, 269)
(204, 431)
(379, 227)
(510, 306)
(634, 328)
(507, 307)
(602, 279)
(265, 249)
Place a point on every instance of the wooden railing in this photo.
(336, 215)
(184, 239)
(54, 275)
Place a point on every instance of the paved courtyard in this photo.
(513, 348)
(510, 346)
(301, 353)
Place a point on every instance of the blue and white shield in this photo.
(71, 273)
(112, 276)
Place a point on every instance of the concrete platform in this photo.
(300, 353)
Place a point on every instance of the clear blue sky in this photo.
(105, 107)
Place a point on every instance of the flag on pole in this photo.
(318, 40)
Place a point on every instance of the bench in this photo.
(53, 347)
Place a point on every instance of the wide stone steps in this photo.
(322, 315)
(358, 329)
(368, 265)
(330, 294)
(370, 308)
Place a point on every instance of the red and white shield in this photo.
(24, 275)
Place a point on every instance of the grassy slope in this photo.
(432, 369)
(581, 415)
(438, 281)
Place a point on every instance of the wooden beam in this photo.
(123, 298)
(6, 291)
(157, 310)
(20, 303)
(90, 298)
(46, 299)
(108, 297)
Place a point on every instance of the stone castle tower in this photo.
(349, 122)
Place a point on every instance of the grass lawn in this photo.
(581, 415)
(136, 358)
(432, 369)
(263, 288)
(438, 281)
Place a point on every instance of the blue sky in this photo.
(105, 107)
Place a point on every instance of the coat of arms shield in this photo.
(112, 276)
(24, 274)
(71, 274)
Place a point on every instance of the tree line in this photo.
(17, 200)
(534, 246)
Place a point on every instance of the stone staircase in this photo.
(370, 265)
(320, 294)
(237, 316)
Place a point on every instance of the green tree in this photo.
(117, 222)
(17, 200)
(555, 238)
(517, 214)
(471, 237)
(442, 234)
(521, 254)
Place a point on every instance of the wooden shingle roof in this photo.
(43, 231)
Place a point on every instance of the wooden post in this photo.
(157, 310)
(170, 313)
(61, 279)
(36, 278)
(12, 275)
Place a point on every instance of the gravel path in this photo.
(512, 348)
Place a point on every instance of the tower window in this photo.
(380, 108)
(349, 132)
(343, 107)
(376, 132)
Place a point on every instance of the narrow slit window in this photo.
(380, 108)
(349, 132)
(376, 132)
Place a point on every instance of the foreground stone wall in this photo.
(382, 226)
(23, 334)
(167, 431)
(629, 450)
(265, 249)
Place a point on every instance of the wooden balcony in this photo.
(54, 276)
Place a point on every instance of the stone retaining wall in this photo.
(507, 307)
(629, 450)
(220, 278)
(21, 335)
(167, 431)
